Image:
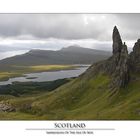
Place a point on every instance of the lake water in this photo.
(46, 76)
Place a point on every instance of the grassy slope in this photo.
(16, 71)
(80, 99)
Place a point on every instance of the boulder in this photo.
(5, 107)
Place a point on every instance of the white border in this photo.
(69, 6)
(16, 129)
(126, 130)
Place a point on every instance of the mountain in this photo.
(108, 90)
(69, 55)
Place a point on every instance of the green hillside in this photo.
(78, 99)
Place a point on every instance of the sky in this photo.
(20, 33)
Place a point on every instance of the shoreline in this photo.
(21, 73)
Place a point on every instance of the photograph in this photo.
(70, 66)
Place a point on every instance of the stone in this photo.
(135, 57)
(121, 74)
(118, 64)
(5, 107)
(117, 42)
(121, 66)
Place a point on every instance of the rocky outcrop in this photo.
(121, 74)
(121, 66)
(135, 57)
(117, 42)
(118, 64)
(5, 107)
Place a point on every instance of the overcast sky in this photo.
(21, 32)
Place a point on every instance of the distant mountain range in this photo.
(69, 55)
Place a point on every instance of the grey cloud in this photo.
(69, 26)
(129, 25)
(64, 26)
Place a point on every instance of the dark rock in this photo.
(117, 42)
(117, 66)
(135, 57)
(121, 74)
(121, 66)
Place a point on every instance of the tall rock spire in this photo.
(118, 65)
(117, 42)
(120, 59)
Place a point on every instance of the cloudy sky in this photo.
(20, 33)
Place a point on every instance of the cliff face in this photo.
(135, 57)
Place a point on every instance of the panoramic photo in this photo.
(69, 66)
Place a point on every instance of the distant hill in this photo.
(69, 55)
